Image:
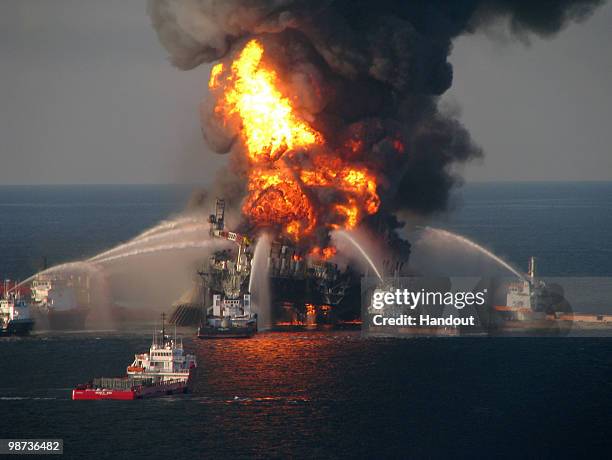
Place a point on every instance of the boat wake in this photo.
(252, 400)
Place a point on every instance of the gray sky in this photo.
(88, 96)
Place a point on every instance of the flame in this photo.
(325, 253)
(215, 72)
(398, 145)
(275, 197)
(284, 189)
(353, 146)
(351, 212)
(269, 125)
(357, 183)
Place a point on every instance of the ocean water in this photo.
(67, 223)
(318, 394)
(566, 225)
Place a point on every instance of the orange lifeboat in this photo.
(135, 369)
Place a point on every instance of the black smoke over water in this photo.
(367, 74)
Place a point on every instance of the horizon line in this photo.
(203, 184)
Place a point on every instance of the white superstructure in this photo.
(14, 312)
(165, 361)
(518, 294)
(13, 307)
(54, 293)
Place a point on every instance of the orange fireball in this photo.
(270, 126)
(358, 183)
(323, 253)
(275, 199)
(283, 189)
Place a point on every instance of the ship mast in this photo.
(531, 273)
(163, 331)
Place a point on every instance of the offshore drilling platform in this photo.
(305, 289)
(300, 181)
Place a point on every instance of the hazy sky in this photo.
(88, 96)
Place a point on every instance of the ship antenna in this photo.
(7, 288)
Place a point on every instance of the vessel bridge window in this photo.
(162, 353)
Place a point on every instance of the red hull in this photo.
(90, 394)
(93, 394)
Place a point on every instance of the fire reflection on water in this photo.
(269, 364)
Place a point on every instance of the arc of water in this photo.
(472, 244)
(174, 233)
(166, 225)
(364, 254)
(84, 266)
(167, 247)
(162, 230)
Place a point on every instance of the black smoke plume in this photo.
(367, 71)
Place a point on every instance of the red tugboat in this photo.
(165, 370)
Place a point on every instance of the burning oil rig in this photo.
(304, 289)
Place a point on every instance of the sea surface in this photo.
(318, 394)
(566, 225)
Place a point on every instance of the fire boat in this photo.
(165, 370)
(60, 302)
(14, 312)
